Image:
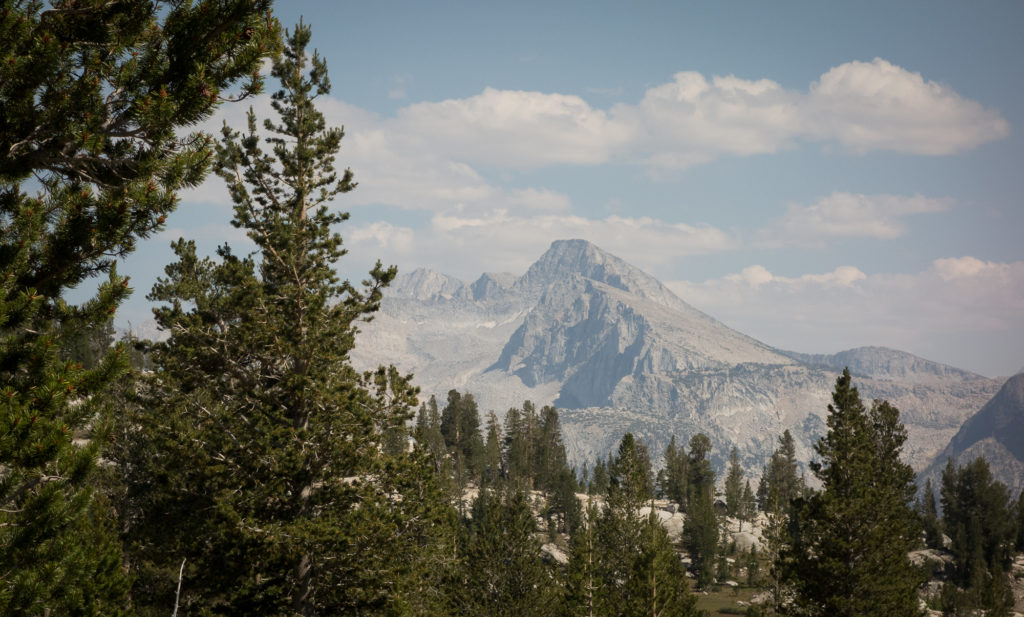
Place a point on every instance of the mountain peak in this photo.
(568, 258)
(426, 284)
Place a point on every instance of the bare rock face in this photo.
(995, 433)
(617, 351)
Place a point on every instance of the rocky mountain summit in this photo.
(617, 351)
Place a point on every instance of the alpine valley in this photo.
(616, 351)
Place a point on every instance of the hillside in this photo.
(995, 433)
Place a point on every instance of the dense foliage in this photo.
(978, 516)
(849, 555)
(94, 96)
(257, 456)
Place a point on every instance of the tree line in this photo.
(250, 469)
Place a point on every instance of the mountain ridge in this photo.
(617, 350)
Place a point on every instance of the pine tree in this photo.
(517, 450)
(492, 450)
(734, 485)
(258, 463)
(428, 427)
(748, 504)
(503, 573)
(631, 483)
(460, 426)
(780, 476)
(550, 458)
(659, 580)
(849, 556)
(929, 515)
(624, 563)
(583, 576)
(700, 530)
(777, 544)
(676, 474)
(978, 515)
(563, 504)
(94, 97)
(599, 482)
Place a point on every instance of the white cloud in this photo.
(863, 106)
(757, 275)
(429, 155)
(879, 106)
(960, 310)
(514, 128)
(953, 268)
(847, 215)
(690, 120)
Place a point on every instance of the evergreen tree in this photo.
(850, 554)
(978, 515)
(599, 483)
(929, 516)
(676, 477)
(518, 455)
(780, 476)
(777, 544)
(659, 580)
(630, 479)
(734, 485)
(503, 573)
(460, 426)
(624, 564)
(748, 504)
(550, 457)
(492, 450)
(90, 346)
(583, 573)
(255, 459)
(428, 427)
(94, 99)
(700, 530)
(563, 503)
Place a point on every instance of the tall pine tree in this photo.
(978, 516)
(849, 556)
(700, 530)
(260, 464)
(94, 96)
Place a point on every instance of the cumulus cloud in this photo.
(954, 268)
(429, 155)
(847, 215)
(514, 129)
(960, 310)
(691, 120)
(880, 106)
(862, 106)
(757, 275)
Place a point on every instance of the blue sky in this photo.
(819, 177)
